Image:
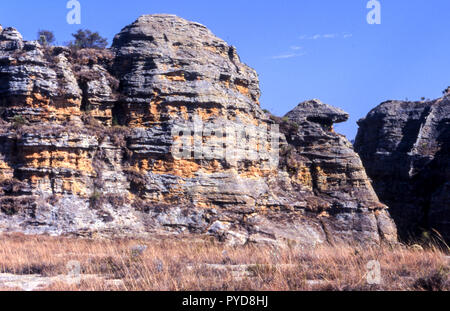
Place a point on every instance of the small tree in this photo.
(46, 37)
(86, 39)
(446, 91)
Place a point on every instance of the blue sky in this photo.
(302, 49)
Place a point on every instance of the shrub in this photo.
(117, 200)
(46, 37)
(86, 39)
(19, 121)
(80, 57)
(138, 181)
(10, 186)
(118, 134)
(95, 200)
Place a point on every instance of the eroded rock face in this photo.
(157, 136)
(331, 174)
(35, 84)
(405, 147)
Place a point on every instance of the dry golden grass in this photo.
(204, 265)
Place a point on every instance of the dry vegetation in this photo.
(207, 265)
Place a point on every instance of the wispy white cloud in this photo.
(288, 55)
(295, 50)
(329, 36)
(325, 36)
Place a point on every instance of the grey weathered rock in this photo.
(317, 112)
(34, 282)
(405, 147)
(175, 63)
(35, 83)
(11, 39)
(331, 175)
(88, 139)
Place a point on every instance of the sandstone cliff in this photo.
(157, 136)
(405, 147)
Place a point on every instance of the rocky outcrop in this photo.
(405, 147)
(331, 175)
(163, 134)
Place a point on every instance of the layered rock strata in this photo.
(163, 134)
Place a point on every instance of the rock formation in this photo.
(163, 134)
(329, 176)
(405, 147)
